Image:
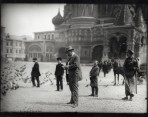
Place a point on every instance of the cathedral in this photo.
(95, 31)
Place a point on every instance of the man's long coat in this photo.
(35, 70)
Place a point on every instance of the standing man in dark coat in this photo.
(75, 75)
(67, 74)
(94, 73)
(59, 72)
(35, 73)
(130, 68)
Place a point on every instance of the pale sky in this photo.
(25, 19)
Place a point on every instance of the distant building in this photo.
(46, 46)
(95, 31)
(13, 47)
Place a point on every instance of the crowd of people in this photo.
(74, 74)
(105, 66)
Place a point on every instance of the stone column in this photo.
(44, 50)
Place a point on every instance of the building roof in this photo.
(17, 38)
(39, 40)
(45, 32)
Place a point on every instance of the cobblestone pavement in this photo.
(46, 99)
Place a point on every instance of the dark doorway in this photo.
(122, 47)
(114, 48)
(97, 53)
(118, 48)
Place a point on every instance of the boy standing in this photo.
(94, 73)
(35, 73)
(59, 72)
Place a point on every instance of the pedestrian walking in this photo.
(35, 73)
(109, 65)
(94, 73)
(75, 75)
(59, 72)
(130, 68)
(105, 68)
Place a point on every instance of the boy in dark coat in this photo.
(94, 73)
(35, 73)
(59, 72)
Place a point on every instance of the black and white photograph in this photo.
(84, 58)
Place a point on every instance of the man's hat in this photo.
(34, 58)
(69, 49)
(130, 52)
(59, 58)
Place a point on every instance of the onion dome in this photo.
(58, 19)
(125, 17)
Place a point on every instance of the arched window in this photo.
(97, 53)
(49, 49)
(34, 51)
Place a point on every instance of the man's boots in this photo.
(92, 88)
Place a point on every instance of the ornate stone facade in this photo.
(95, 31)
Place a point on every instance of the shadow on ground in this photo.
(49, 103)
(116, 99)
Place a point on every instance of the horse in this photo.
(118, 70)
